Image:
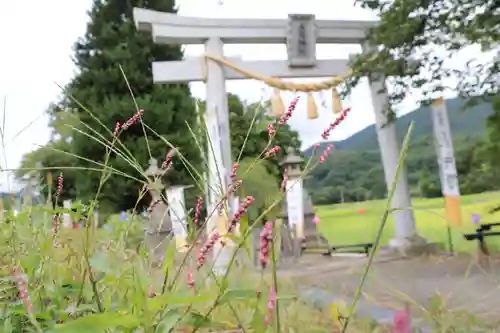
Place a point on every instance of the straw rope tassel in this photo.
(277, 106)
(312, 110)
(336, 102)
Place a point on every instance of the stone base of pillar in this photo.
(157, 243)
(222, 258)
(414, 245)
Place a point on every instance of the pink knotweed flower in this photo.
(55, 230)
(233, 171)
(271, 305)
(402, 321)
(325, 154)
(272, 151)
(233, 187)
(266, 237)
(284, 181)
(60, 182)
(190, 280)
(241, 211)
(202, 255)
(22, 287)
(151, 293)
(197, 211)
(108, 244)
(230, 190)
(271, 131)
(288, 114)
(167, 164)
(257, 292)
(132, 120)
(338, 121)
(117, 129)
(55, 224)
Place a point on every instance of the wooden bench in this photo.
(351, 248)
(481, 233)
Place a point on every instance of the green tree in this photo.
(113, 46)
(249, 134)
(429, 31)
(260, 184)
(51, 159)
(54, 158)
(429, 184)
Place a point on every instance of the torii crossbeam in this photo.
(301, 33)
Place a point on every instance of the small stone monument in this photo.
(158, 228)
(67, 219)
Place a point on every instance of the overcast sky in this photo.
(37, 36)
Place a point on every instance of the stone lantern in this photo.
(298, 212)
(158, 227)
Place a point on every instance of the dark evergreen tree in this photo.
(110, 45)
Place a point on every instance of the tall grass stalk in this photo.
(383, 221)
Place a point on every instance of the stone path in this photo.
(462, 283)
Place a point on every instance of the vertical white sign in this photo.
(67, 217)
(444, 149)
(295, 205)
(177, 210)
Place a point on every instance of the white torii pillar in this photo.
(167, 28)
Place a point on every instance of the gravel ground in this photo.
(463, 283)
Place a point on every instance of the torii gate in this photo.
(301, 33)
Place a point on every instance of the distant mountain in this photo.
(469, 122)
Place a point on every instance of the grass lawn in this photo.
(342, 224)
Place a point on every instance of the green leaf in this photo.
(157, 303)
(258, 321)
(100, 263)
(336, 310)
(224, 284)
(7, 326)
(260, 127)
(244, 224)
(98, 323)
(237, 294)
(171, 318)
(235, 238)
(168, 261)
(196, 319)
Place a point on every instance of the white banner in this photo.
(444, 149)
(295, 204)
(177, 210)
